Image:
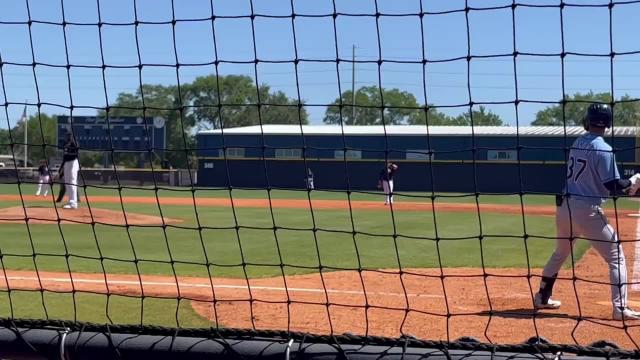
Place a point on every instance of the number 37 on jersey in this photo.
(576, 167)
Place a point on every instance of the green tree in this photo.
(41, 137)
(481, 117)
(4, 142)
(163, 101)
(433, 116)
(231, 101)
(399, 107)
(283, 110)
(626, 111)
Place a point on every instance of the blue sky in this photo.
(586, 30)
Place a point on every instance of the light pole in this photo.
(26, 138)
(353, 84)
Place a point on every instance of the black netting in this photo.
(211, 197)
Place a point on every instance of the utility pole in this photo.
(26, 138)
(353, 84)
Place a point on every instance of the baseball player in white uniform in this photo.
(71, 168)
(592, 177)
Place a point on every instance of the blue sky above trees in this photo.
(539, 78)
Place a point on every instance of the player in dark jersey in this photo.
(309, 179)
(385, 181)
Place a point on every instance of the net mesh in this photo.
(449, 258)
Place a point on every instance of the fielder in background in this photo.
(71, 167)
(309, 179)
(592, 177)
(44, 179)
(385, 181)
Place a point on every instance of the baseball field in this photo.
(436, 268)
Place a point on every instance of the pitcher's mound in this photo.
(47, 215)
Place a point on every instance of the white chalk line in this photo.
(208, 286)
(635, 277)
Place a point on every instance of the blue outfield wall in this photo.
(490, 177)
(373, 147)
(541, 168)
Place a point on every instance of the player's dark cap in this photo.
(598, 115)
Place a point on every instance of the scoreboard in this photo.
(127, 133)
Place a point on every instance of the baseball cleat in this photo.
(70, 206)
(550, 304)
(627, 314)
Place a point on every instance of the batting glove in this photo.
(635, 184)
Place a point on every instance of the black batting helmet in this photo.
(598, 115)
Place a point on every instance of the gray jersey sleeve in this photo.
(606, 164)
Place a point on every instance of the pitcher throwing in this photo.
(592, 176)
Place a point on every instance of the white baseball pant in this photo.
(576, 218)
(43, 185)
(387, 186)
(71, 169)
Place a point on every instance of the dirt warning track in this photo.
(494, 305)
(315, 204)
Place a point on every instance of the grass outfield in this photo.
(262, 250)
(93, 308)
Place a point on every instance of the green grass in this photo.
(293, 243)
(82, 307)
